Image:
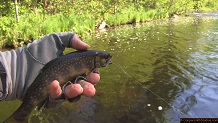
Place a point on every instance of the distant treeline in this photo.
(25, 20)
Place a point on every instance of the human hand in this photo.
(82, 87)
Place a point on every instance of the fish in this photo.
(63, 69)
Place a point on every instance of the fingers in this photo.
(93, 78)
(55, 90)
(73, 90)
(83, 87)
(88, 88)
(77, 44)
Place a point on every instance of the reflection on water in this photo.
(175, 59)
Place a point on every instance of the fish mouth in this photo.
(108, 61)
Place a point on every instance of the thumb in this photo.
(55, 90)
(78, 44)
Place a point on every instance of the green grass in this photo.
(32, 26)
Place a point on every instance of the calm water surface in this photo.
(177, 60)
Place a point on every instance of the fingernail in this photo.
(85, 44)
(88, 46)
(57, 81)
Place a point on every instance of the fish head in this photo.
(102, 59)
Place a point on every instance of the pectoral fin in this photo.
(42, 103)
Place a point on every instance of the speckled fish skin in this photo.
(63, 69)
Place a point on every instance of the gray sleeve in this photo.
(23, 65)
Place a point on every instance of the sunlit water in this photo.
(176, 60)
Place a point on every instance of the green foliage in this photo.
(38, 18)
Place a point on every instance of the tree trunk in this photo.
(16, 10)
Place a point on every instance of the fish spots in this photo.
(63, 69)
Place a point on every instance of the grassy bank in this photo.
(84, 18)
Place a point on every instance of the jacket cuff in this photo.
(66, 38)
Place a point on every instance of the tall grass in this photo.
(135, 16)
(83, 19)
(34, 26)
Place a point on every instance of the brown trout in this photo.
(64, 68)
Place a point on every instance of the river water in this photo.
(170, 73)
